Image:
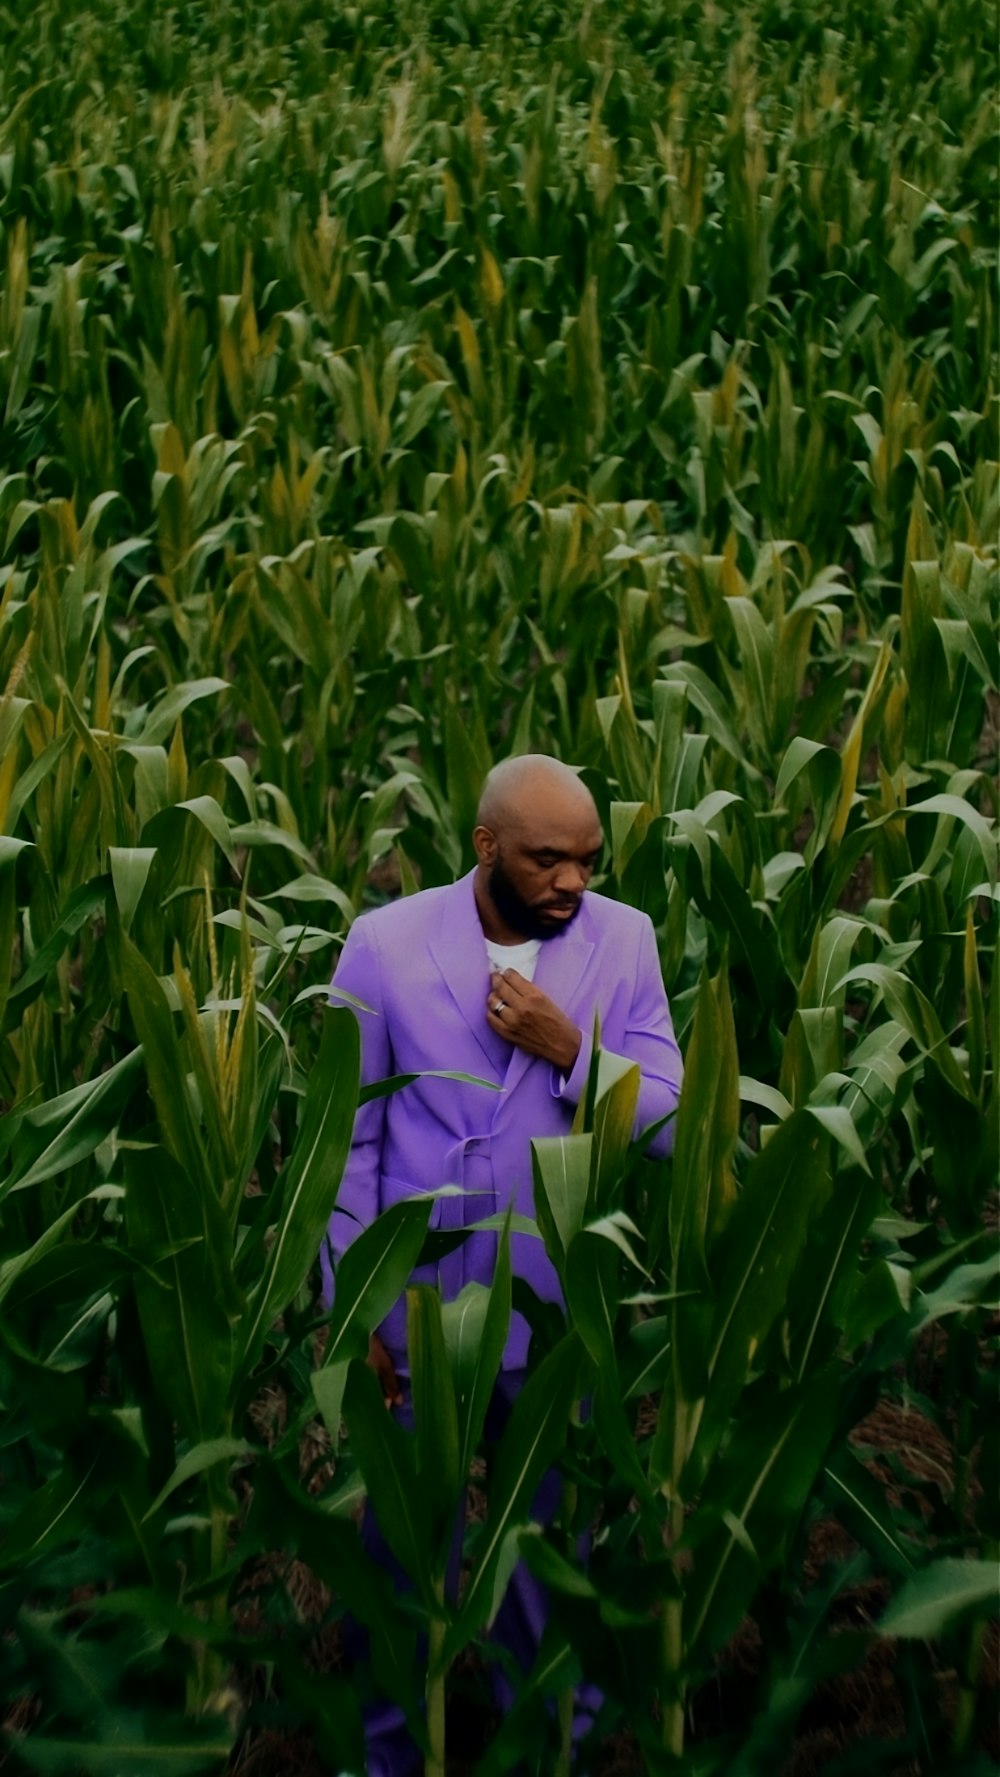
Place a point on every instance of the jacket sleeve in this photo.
(649, 1040)
(359, 974)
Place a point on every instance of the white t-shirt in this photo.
(521, 957)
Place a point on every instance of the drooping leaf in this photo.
(197, 1460)
(372, 1275)
(58, 1134)
(166, 713)
(941, 1595)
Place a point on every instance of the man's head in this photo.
(537, 839)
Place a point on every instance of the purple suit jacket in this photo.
(421, 965)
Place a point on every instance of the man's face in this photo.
(537, 881)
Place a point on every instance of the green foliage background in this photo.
(385, 390)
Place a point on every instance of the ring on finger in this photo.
(501, 1006)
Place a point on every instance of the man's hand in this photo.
(530, 1020)
(380, 1361)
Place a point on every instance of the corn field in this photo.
(388, 390)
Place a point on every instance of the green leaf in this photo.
(57, 1513)
(712, 705)
(592, 1298)
(757, 654)
(967, 1286)
(307, 1189)
(10, 851)
(756, 1492)
(728, 908)
(767, 1097)
(618, 1081)
(533, 1437)
(562, 1166)
(475, 1326)
(206, 1455)
(395, 1082)
(974, 1006)
(130, 867)
(823, 981)
(703, 1188)
(859, 1499)
(128, 1746)
(268, 833)
(315, 888)
(79, 1671)
(208, 812)
(592, 1295)
(757, 1256)
(163, 719)
(939, 1597)
(187, 1332)
(435, 1413)
(803, 755)
(55, 1136)
(813, 1051)
(957, 808)
(167, 1073)
(822, 1292)
(386, 1456)
(838, 1122)
(372, 1275)
(22, 360)
(912, 1009)
(13, 1269)
(553, 1569)
(82, 904)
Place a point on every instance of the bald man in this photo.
(499, 976)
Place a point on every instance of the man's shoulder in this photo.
(409, 915)
(614, 919)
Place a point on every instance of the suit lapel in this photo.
(459, 950)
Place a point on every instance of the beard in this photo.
(520, 915)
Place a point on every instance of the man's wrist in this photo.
(565, 1061)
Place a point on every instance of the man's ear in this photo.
(485, 843)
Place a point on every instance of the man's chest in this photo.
(436, 1017)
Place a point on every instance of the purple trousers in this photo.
(519, 1623)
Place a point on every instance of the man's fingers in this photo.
(502, 996)
(513, 1019)
(507, 982)
(517, 983)
(495, 1019)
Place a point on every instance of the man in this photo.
(498, 976)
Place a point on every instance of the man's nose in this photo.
(571, 878)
